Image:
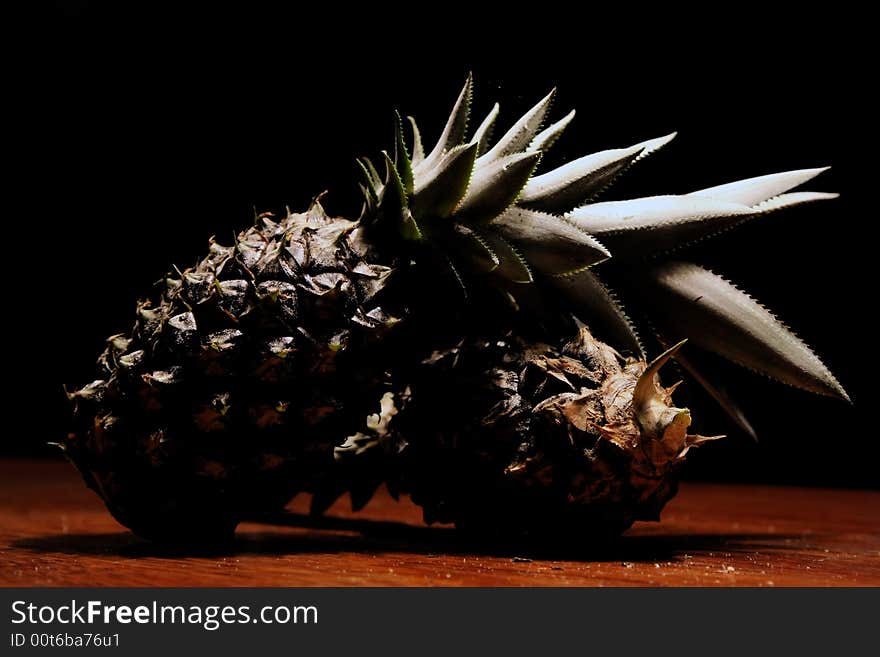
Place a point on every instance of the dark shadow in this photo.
(334, 535)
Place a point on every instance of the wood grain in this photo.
(54, 532)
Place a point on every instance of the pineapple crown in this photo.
(480, 203)
(484, 207)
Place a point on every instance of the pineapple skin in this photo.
(511, 437)
(229, 393)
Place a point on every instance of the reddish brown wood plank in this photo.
(54, 532)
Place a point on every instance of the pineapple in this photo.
(437, 343)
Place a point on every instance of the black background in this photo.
(139, 132)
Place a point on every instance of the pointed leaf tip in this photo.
(658, 223)
(651, 146)
(418, 148)
(663, 223)
(694, 302)
(752, 191)
(484, 132)
(456, 127)
(402, 160)
(523, 131)
(791, 199)
(393, 183)
(549, 136)
(586, 177)
(566, 186)
(370, 184)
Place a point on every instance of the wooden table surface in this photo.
(55, 532)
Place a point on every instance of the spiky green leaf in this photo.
(594, 304)
(586, 177)
(512, 265)
(409, 228)
(369, 187)
(657, 223)
(470, 246)
(395, 210)
(752, 191)
(566, 186)
(792, 199)
(550, 244)
(438, 191)
(523, 131)
(369, 200)
(651, 146)
(370, 174)
(402, 160)
(418, 149)
(495, 186)
(692, 302)
(456, 127)
(548, 136)
(663, 223)
(394, 194)
(484, 132)
(377, 179)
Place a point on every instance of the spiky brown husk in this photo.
(511, 436)
(229, 393)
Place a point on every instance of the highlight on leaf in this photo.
(694, 303)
